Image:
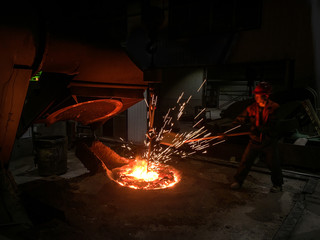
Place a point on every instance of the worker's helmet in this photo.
(263, 88)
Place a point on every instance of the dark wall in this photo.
(285, 34)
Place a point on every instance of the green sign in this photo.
(36, 77)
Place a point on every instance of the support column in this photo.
(13, 92)
(17, 54)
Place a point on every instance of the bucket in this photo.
(51, 155)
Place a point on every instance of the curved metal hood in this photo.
(74, 67)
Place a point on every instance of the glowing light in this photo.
(200, 113)
(201, 85)
(136, 176)
(179, 98)
(198, 122)
(140, 171)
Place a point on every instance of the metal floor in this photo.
(78, 205)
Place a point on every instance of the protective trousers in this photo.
(267, 152)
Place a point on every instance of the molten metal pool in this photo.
(141, 175)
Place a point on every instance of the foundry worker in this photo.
(261, 116)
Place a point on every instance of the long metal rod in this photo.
(209, 138)
(151, 133)
(218, 136)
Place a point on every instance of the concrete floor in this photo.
(78, 205)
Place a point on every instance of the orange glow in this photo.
(87, 112)
(140, 171)
(138, 175)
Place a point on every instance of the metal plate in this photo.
(87, 112)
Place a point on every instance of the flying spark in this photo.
(198, 122)
(200, 113)
(180, 97)
(201, 85)
(198, 140)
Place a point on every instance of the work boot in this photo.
(276, 189)
(235, 186)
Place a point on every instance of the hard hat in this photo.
(263, 88)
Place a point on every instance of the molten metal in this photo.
(140, 171)
(139, 175)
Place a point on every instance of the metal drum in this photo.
(51, 155)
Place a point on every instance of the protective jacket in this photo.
(262, 121)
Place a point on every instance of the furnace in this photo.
(137, 176)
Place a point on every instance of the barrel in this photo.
(51, 155)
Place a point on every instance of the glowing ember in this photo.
(136, 175)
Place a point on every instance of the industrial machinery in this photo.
(80, 74)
